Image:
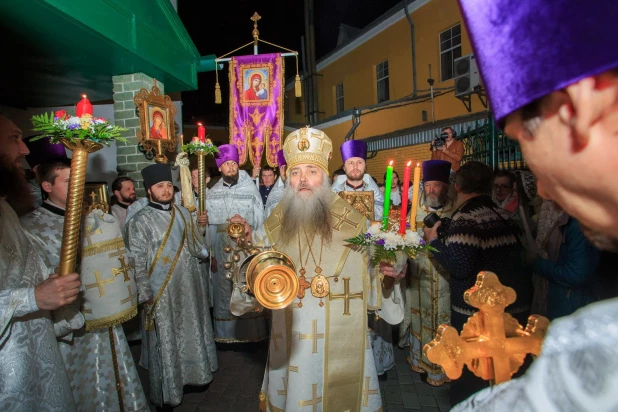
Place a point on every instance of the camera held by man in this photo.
(440, 140)
(447, 147)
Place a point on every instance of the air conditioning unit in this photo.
(467, 78)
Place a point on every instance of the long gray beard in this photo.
(436, 202)
(310, 215)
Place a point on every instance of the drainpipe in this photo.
(414, 89)
(356, 121)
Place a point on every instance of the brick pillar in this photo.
(130, 160)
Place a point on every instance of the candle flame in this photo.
(84, 96)
(199, 124)
(418, 164)
(390, 163)
(410, 162)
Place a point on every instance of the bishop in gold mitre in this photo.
(320, 355)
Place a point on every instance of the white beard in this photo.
(309, 214)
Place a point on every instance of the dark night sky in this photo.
(221, 31)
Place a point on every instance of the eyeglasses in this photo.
(502, 187)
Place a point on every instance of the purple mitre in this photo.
(354, 148)
(527, 49)
(226, 153)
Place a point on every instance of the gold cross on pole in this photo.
(256, 34)
(274, 338)
(367, 392)
(100, 283)
(346, 296)
(492, 343)
(315, 335)
(124, 269)
(343, 218)
(313, 402)
(130, 297)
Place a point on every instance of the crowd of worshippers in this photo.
(488, 221)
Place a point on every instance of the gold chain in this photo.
(302, 270)
(318, 268)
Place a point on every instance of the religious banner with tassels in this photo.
(257, 88)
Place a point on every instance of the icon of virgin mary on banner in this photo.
(256, 106)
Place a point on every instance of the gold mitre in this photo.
(308, 146)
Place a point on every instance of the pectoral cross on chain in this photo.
(346, 296)
(492, 343)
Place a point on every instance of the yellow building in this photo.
(372, 72)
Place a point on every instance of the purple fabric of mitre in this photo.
(354, 148)
(281, 159)
(436, 170)
(527, 49)
(43, 150)
(226, 152)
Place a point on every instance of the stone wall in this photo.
(130, 160)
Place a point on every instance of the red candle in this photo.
(83, 107)
(403, 220)
(201, 133)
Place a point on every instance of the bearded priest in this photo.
(320, 351)
(166, 243)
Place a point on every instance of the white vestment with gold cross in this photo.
(320, 357)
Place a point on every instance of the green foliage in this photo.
(98, 130)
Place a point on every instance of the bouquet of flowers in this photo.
(197, 144)
(60, 125)
(390, 246)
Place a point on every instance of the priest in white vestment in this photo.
(92, 363)
(33, 305)
(165, 243)
(235, 194)
(320, 356)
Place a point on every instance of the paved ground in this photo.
(237, 383)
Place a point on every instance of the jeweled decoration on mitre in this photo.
(308, 146)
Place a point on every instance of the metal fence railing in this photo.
(488, 144)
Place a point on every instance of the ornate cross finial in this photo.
(492, 344)
(255, 32)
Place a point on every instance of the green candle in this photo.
(387, 194)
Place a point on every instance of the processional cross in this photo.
(492, 344)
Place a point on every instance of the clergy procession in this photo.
(467, 279)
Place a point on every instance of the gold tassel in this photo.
(217, 93)
(217, 87)
(297, 86)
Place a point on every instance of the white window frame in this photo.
(450, 49)
(339, 98)
(383, 78)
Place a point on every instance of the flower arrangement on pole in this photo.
(83, 134)
(201, 146)
(390, 246)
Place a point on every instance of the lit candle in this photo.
(404, 200)
(415, 191)
(387, 195)
(201, 133)
(83, 107)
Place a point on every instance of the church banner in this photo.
(256, 106)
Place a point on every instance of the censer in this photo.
(265, 273)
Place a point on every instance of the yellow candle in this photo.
(415, 190)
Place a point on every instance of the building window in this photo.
(450, 49)
(382, 78)
(339, 97)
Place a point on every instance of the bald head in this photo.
(12, 147)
